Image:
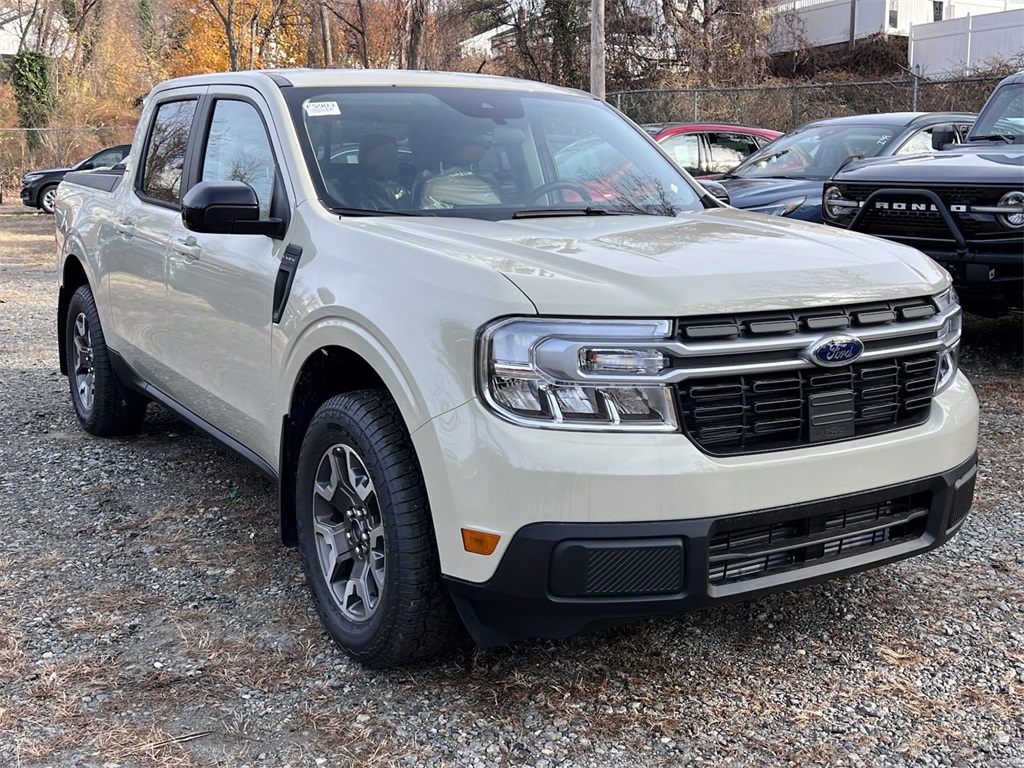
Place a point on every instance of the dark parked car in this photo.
(963, 208)
(709, 148)
(787, 177)
(39, 188)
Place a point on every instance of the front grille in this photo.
(755, 325)
(928, 224)
(758, 412)
(738, 552)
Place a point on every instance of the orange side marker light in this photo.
(479, 542)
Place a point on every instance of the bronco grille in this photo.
(739, 551)
(927, 224)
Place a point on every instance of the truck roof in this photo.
(895, 119)
(367, 77)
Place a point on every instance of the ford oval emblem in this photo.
(834, 351)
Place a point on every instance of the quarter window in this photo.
(165, 156)
(238, 149)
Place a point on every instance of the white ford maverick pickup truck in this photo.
(513, 371)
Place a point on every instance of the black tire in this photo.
(46, 198)
(412, 618)
(102, 407)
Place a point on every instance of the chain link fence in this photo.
(33, 149)
(787, 106)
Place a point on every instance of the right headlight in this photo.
(836, 206)
(1015, 218)
(592, 375)
(947, 302)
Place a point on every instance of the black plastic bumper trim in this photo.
(518, 603)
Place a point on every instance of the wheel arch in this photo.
(326, 372)
(73, 276)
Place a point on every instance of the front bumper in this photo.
(28, 196)
(556, 580)
(988, 282)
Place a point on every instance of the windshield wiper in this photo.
(992, 136)
(342, 211)
(544, 213)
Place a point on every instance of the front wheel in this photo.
(48, 198)
(101, 406)
(366, 535)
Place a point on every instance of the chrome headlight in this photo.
(836, 206)
(948, 304)
(577, 374)
(780, 208)
(28, 178)
(1014, 218)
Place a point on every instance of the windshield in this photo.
(492, 154)
(814, 152)
(1003, 115)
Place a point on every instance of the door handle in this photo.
(187, 247)
(125, 228)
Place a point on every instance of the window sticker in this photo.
(321, 108)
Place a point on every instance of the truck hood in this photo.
(714, 261)
(990, 166)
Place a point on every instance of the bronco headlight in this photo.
(577, 374)
(836, 206)
(948, 303)
(1015, 217)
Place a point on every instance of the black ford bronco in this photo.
(964, 208)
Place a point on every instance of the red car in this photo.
(704, 149)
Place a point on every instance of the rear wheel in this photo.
(101, 406)
(366, 535)
(47, 198)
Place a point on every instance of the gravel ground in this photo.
(149, 616)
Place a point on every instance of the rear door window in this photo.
(165, 150)
(729, 149)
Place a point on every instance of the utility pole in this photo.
(597, 48)
(325, 34)
(853, 23)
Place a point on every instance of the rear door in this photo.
(142, 218)
(220, 288)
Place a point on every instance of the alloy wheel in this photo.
(349, 532)
(85, 369)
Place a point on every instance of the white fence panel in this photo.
(945, 47)
(814, 23)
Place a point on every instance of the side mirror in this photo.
(226, 208)
(88, 166)
(849, 159)
(943, 138)
(716, 190)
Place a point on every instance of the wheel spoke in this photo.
(328, 488)
(354, 600)
(369, 585)
(355, 478)
(335, 551)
